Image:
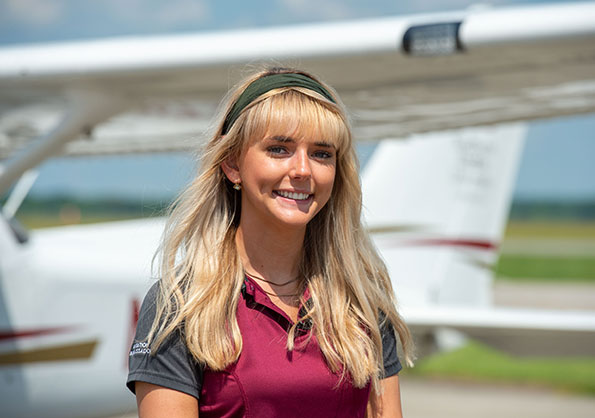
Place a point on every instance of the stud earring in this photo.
(237, 186)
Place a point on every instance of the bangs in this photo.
(297, 114)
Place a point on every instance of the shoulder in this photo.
(391, 363)
(149, 305)
(170, 364)
(147, 312)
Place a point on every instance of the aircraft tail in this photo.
(437, 205)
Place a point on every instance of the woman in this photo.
(272, 300)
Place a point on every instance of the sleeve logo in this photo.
(140, 348)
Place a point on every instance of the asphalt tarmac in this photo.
(545, 295)
(424, 398)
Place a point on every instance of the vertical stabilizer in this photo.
(437, 205)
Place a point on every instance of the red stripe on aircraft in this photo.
(443, 242)
(14, 335)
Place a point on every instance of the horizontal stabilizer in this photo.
(516, 331)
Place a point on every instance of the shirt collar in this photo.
(252, 291)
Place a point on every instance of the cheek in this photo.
(260, 173)
(328, 181)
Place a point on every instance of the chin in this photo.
(294, 218)
(294, 223)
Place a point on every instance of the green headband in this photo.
(267, 83)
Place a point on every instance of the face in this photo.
(286, 180)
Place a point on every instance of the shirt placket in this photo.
(258, 296)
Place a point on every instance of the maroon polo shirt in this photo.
(267, 380)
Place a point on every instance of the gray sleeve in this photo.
(171, 365)
(392, 365)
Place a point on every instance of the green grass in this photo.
(578, 267)
(479, 363)
(567, 229)
(42, 213)
(546, 268)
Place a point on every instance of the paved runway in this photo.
(545, 295)
(442, 399)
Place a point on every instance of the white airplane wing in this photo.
(398, 75)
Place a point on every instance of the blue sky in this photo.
(556, 162)
(42, 20)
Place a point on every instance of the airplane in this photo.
(446, 97)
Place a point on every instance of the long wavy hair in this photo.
(201, 272)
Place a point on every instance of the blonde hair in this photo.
(201, 272)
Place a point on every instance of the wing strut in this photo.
(86, 109)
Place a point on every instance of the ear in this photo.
(231, 169)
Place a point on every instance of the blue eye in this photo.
(323, 154)
(276, 150)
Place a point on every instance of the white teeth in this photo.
(293, 195)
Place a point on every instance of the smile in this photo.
(293, 195)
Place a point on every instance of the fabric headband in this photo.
(267, 83)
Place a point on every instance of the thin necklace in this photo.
(280, 296)
(271, 293)
(270, 282)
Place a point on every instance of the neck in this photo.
(271, 253)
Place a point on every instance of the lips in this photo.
(293, 195)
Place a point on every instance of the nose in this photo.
(301, 165)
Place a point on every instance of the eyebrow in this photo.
(284, 139)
